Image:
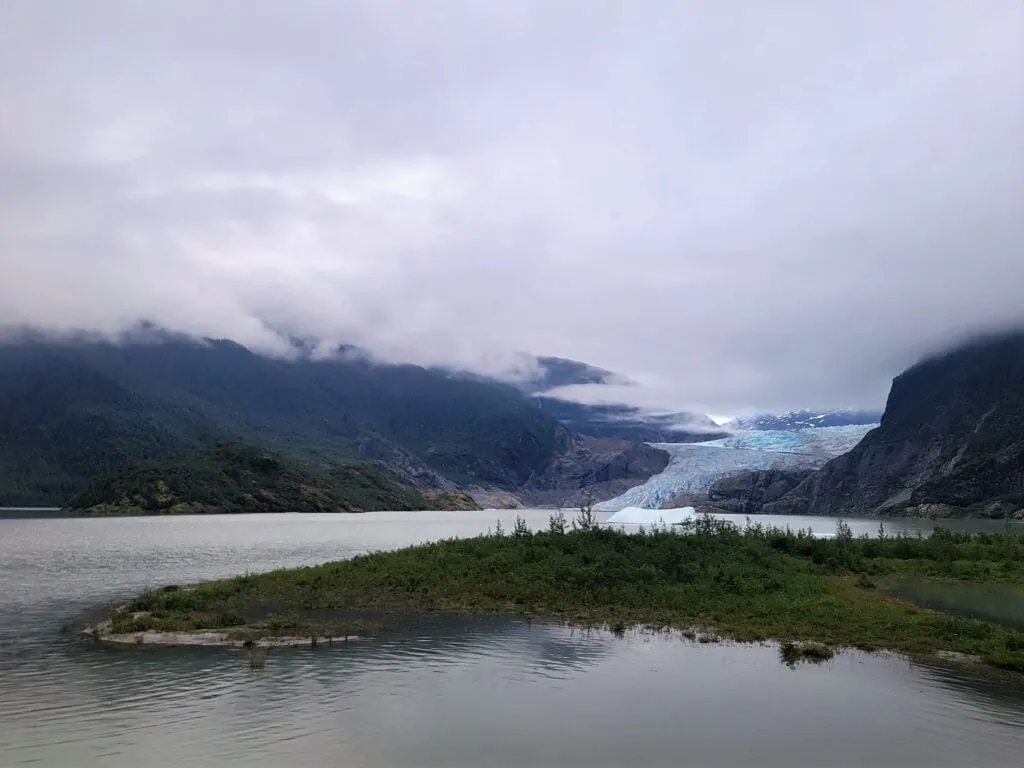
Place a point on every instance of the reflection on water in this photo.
(1001, 603)
(22, 513)
(486, 692)
(503, 695)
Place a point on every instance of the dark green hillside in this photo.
(63, 420)
(232, 478)
(469, 431)
(70, 411)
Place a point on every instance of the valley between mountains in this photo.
(167, 424)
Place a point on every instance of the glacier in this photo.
(693, 467)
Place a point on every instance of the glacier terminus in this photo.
(693, 467)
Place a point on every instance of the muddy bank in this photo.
(234, 637)
(119, 626)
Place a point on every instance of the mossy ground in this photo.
(746, 585)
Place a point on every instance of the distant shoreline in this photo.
(29, 513)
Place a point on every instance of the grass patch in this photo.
(750, 584)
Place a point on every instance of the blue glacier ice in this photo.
(693, 467)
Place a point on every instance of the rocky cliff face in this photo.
(593, 468)
(951, 438)
(409, 469)
(746, 493)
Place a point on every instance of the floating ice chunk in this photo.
(641, 516)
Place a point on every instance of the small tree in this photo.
(586, 520)
(498, 529)
(522, 529)
(843, 530)
(557, 522)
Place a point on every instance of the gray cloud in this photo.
(738, 205)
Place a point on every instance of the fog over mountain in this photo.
(740, 207)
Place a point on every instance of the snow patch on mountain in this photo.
(807, 419)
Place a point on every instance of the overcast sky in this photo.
(742, 205)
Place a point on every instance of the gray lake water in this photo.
(486, 693)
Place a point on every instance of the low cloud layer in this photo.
(739, 205)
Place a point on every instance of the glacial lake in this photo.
(474, 693)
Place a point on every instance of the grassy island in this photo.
(236, 478)
(709, 578)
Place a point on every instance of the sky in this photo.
(740, 206)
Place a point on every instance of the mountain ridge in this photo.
(618, 420)
(807, 419)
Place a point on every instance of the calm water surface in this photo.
(485, 694)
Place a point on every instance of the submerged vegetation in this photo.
(761, 583)
(793, 653)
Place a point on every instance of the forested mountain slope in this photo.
(72, 410)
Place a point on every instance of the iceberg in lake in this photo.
(642, 516)
(693, 467)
